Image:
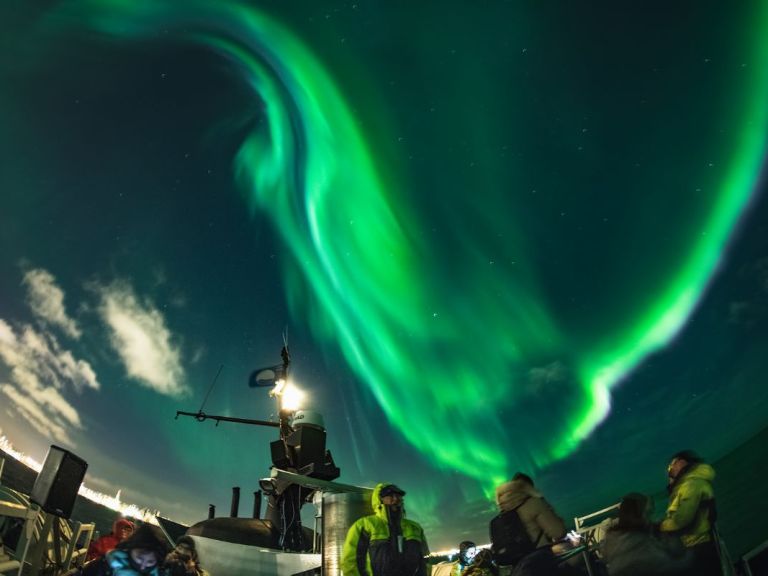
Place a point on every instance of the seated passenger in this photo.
(183, 560)
(121, 529)
(526, 521)
(482, 564)
(631, 549)
(139, 554)
(467, 551)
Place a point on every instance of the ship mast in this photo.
(300, 450)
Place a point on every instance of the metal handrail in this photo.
(579, 520)
(75, 554)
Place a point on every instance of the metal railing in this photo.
(592, 528)
(45, 540)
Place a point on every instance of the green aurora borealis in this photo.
(356, 245)
(446, 260)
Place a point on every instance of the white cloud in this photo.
(46, 300)
(55, 402)
(40, 371)
(54, 365)
(9, 346)
(36, 415)
(140, 336)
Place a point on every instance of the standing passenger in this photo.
(385, 543)
(690, 513)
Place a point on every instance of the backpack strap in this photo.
(536, 540)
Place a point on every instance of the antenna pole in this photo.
(215, 378)
(201, 416)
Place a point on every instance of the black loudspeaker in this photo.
(308, 444)
(280, 456)
(57, 483)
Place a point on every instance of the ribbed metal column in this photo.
(339, 513)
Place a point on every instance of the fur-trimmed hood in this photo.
(511, 494)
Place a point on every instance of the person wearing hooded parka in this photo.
(385, 543)
(691, 511)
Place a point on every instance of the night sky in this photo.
(500, 236)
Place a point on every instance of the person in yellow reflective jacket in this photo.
(385, 543)
(691, 510)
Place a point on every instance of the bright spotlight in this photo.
(291, 397)
(278, 389)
